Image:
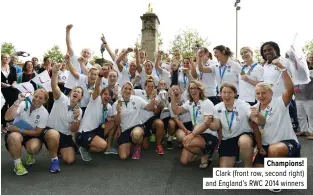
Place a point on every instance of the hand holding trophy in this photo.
(164, 99)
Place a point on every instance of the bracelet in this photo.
(21, 130)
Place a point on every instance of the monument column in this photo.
(149, 33)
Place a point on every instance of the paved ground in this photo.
(105, 174)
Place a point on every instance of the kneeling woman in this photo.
(126, 113)
(36, 116)
(179, 125)
(234, 116)
(278, 137)
(204, 142)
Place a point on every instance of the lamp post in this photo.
(237, 9)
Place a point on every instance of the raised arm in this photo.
(138, 65)
(96, 91)
(70, 67)
(107, 47)
(176, 109)
(12, 111)
(193, 70)
(54, 81)
(288, 93)
(158, 60)
(119, 59)
(68, 40)
(200, 62)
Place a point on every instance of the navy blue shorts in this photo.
(215, 99)
(26, 138)
(230, 146)
(210, 143)
(125, 136)
(65, 141)
(148, 126)
(293, 151)
(188, 126)
(85, 138)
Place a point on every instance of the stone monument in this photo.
(149, 33)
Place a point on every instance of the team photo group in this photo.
(210, 102)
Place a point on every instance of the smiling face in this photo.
(269, 52)
(127, 90)
(174, 66)
(218, 54)
(176, 90)
(105, 96)
(246, 55)
(39, 98)
(228, 94)
(132, 66)
(93, 75)
(194, 90)
(187, 63)
(112, 77)
(76, 95)
(149, 87)
(264, 93)
(5, 58)
(29, 67)
(86, 53)
(162, 84)
(148, 67)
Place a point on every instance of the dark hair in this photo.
(225, 50)
(272, 44)
(46, 58)
(228, 85)
(210, 56)
(24, 67)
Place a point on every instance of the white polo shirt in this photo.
(94, 115)
(208, 79)
(71, 81)
(145, 114)
(272, 74)
(60, 117)
(38, 118)
(183, 80)
(197, 112)
(125, 76)
(130, 115)
(278, 126)
(83, 82)
(104, 83)
(246, 90)
(241, 114)
(63, 75)
(143, 78)
(231, 73)
(184, 117)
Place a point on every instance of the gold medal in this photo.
(103, 126)
(242, 73)
(262, 131)
(230, 131)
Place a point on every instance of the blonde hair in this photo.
(247, 49)
(267, 86)
(201, 88)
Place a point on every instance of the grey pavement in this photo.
(106, 174)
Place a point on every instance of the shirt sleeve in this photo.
(260, 73)
(142, 102)
(246, 109)
(208, 108)
(218, 112)
(171, 112)
(22, 106)
(110, 110)
(186, 105)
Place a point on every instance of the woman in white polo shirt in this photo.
(251, 75)
(181, 124)
(202, 143)
(237, 133)
(34, 114)
(126, 113)
(63, 120)
(150, 119)
(97, 123)
(278, 137)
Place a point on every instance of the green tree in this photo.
(308, 47)
(186, 40)
(8, 48)
(55, 54)
(257, 53)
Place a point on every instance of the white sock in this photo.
(17, 161)
(55, 158)
(169, 138)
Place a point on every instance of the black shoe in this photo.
(169, 145)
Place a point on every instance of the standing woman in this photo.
(28, 74)
(201, 143)
(8, 83)
(278, 137)
(251, 75)
(126, 113)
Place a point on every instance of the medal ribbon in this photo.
(230, 123)
(104, 115)
(195, 114)
(251, 68)
(222, 73)
(265, 115)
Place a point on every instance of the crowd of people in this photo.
(120, 107)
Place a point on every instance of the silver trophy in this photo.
(164, 99)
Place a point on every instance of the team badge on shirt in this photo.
(36, 121)
(38, 116)
(133, 103)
